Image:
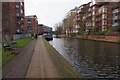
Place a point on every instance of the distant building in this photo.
(71, 25)
(47, 29)
(12, 19)
(31, 24)
(65, 25)
(40, 29)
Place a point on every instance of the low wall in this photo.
(94, 37)
(111, 38)
(18, 36)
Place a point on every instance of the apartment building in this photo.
(116, 15)
(65, 24)
(94, 28)
(88, 19)
(99, 16)
(40, 29)
(82, 15)
(116, 18)
(12, 19)
(30, 24)
(71, 26)
(104, 15)
(47, 29)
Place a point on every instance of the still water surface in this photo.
(92, 59)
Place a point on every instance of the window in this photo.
(93, 18)
(21, 11)
(104, 16)
(29, 22)
(115, 10)
(104, 22)
(104, 9)
(104, 28)
(17, 6)
(93, 12)
(17, 14)
(93, 23)
(116, 21)
(21, 4)
(22, 19)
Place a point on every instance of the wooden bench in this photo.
(9, 46)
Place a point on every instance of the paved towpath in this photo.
(41, 65)
(17, 67)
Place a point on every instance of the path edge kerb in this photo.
(30, 57)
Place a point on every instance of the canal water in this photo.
(93, 59)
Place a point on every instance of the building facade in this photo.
(71, 23)
(40, 29)
(30, 24)
(12, 19)
(116, 18)
(83, 13)
(98, 17)
(47, 29)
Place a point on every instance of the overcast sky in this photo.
(50, 12)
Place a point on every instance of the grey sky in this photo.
(50, 12)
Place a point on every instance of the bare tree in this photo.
(58, 28)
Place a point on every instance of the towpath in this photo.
(41, 64)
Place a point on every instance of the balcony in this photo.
(101, 3)
(115, 11)
(115, 24)
(115, 18)
(78, 19)
(98, 14)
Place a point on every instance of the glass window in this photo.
(17, 6)
(104, 9)
(21, 11)
(17, 14)
(93, 12)
(104, 16)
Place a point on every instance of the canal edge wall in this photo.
(66, 70)
(111, 39)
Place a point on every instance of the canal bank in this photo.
(65, 69)
(112, 39)
(92, 59)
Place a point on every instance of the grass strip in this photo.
(21, 43)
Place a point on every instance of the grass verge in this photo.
(65, 69)
(21, 43)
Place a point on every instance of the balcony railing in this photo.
(115, 18)
(115, 24)
(98, 14)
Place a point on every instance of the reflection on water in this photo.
(92, 59)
